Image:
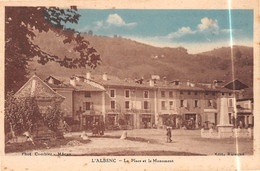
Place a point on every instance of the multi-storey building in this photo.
(245, 112)
(131, 104)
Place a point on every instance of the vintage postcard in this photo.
(126, 85)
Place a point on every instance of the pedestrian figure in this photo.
(102, 128)
(169, 134)
(94, 130)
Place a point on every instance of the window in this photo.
(170, 94)
(223, 94)
(163, 105)
(182, 103)
(196, 103)
(127, 104)
(127, 93)
(171, 105)
(188, 92)
(146, 105)
(229, 118)
(87, 94)
(89, 105)
(113, 105)
(230, 102)
(112, 93)
(206, 93)
(229, 94)
(195, 93)
(209, 103)
(213, 93)
(181, 92)
(162, 93)
(146, 94)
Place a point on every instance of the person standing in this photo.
(102, 128)
(169, 134)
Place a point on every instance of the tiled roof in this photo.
(113, 81)
(236, 85)
(80, 85)
(35, 87)
(83, 86)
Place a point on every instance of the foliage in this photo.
(21, 25)
(90, 32)
(52, 118)
(22, 114)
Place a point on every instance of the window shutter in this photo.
(91, 106)
(185, 103)
(84, 106)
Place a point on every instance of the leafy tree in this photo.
(21, 114)
(52, 118)
(90, 32)
(21, 24)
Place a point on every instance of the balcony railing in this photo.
(244, 110)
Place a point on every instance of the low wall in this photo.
(236, 132)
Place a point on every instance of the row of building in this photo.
(134, 104)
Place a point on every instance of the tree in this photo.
(52, 118)
(21, 23)
(21, 114)
(90, 32)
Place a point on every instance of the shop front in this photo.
(146, 121)
(89, 120)
(167, 120)
(111, 121)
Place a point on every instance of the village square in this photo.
(89, 90)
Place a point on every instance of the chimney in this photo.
(176, 82)
(88, 76)
(104, 77)
(151, 82)
(164, 79)
(215, 83)
(51, 81)
(77, 78)
(188, 83)
(72, 81)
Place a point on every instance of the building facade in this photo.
(134, 104)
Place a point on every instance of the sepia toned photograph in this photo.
(128, 82)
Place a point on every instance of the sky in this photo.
(195, 30)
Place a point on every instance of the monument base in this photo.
(225, 131)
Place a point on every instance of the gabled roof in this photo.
(35, 87)
(235, 85)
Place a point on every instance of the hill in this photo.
(127, 58)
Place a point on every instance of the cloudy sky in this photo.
(196, 30)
